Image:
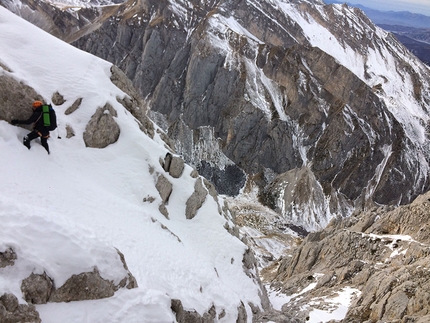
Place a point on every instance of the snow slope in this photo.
(64, 213)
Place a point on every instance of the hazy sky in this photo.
(417, 6)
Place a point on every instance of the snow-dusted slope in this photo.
(61, 211)
(374, 55)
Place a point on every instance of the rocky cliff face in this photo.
(240, 88)
(313, 104)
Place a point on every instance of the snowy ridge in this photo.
(101, 190)
(374, 64)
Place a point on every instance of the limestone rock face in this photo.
(271, 105)
(63, 24)
(102, 130)
(383, 253)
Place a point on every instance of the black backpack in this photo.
(49, 117)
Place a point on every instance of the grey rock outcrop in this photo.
(58, 98)
(174, 165)
(37, 289)
(7, 258)
(16, 98)
(196, 200)
(102, 130)
(85, 286)
(41, 289)
(185, 316)
(164, 188)
(13, 312)
(132, 102)
(211, 316)
(75, 106)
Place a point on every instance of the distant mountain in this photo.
(411, 29)
(418, 48)
(402, 18)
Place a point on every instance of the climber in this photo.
(39, 129)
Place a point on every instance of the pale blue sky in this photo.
(417, 6)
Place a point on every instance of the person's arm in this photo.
(33, 118)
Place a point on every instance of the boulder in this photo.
(57, 98)
(37, 288)
(13, 312)
(41, 289)
(7, 258)
(10, 302)
(195, 201)
(73, 107)
(164, 187)
(174, 165)
(102, 130)
(16, 98)
(85, 286)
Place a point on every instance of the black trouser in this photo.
(35, 134)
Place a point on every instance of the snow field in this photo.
(66, 212)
